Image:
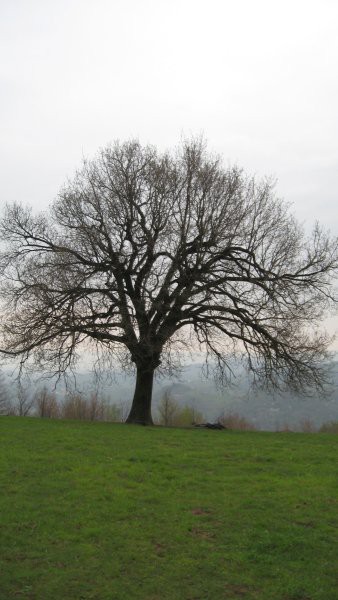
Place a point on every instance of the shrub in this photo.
(114, 412)
(92, 408)
(46, 404)
(74, 406)
(307, 426)
(232, 420)
(186, 416)
(173, 415)
(168, 410)
(23, 403)
(330, 427)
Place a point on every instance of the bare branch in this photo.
(141, 250)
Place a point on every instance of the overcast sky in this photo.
(257, 77)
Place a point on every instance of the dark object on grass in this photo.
(211, 425)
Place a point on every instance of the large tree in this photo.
(142, 251)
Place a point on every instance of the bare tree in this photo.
(144, 251)
(24, 402)
(167, 409)
(5, 402)
(79, 406)
(46, 404)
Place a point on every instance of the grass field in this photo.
(103, 511)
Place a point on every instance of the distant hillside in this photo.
(267, 410)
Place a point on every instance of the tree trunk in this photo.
(140, 411)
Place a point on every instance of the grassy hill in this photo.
(96, 511)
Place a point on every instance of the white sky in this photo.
(257, 77)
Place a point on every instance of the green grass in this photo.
(102, 511)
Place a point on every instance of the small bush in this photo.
(186, 416)
(284, 428)
(233, 420)
(46, 404)
(307, 426)
(173, 415)
(168, 410)
(114, 413)
(94, 408)
(330, 427)
(75, 406)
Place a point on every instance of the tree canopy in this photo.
(144, 252)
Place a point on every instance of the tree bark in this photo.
(140, 411)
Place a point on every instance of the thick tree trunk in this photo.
(140, 411)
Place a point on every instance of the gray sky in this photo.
(257, 77)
